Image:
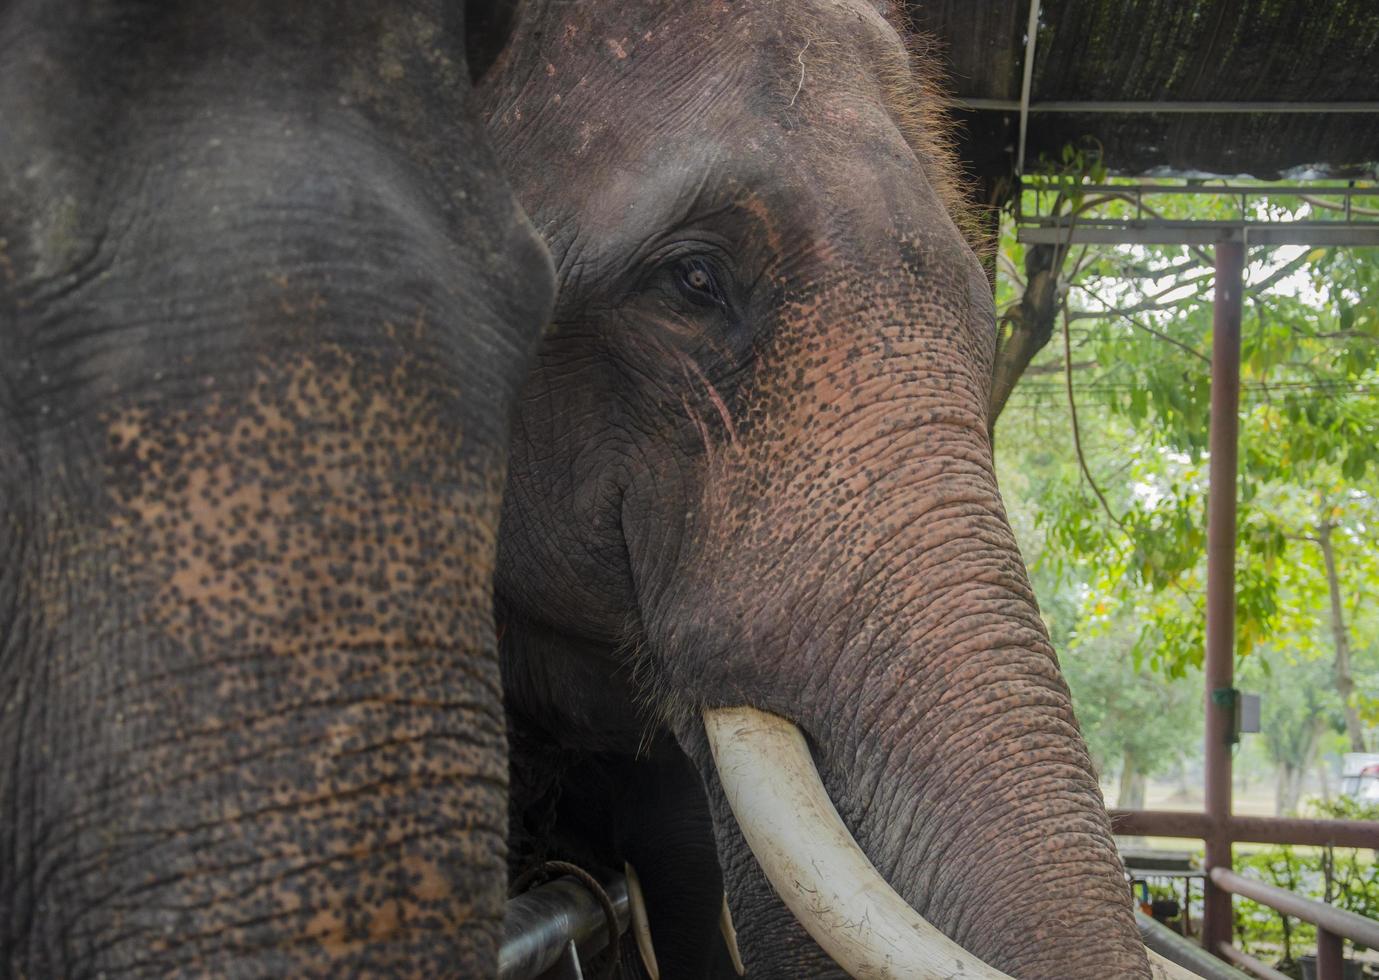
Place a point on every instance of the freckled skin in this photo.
(779, 491)
(265, 306)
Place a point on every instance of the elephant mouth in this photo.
(817, 867)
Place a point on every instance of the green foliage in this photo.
(1347, 878)
(1129, 716)
(1117, 539)
(1258, 925)
(1076, 166)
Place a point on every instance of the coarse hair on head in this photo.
(916, 91)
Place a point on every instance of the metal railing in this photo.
(1247, 830)
(547, 930)
(1187, 954)
(1333, 924)
(1335, 217)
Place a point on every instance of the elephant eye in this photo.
(698, 281)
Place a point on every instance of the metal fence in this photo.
(1332, 924)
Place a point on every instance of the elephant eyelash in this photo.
(694, 283)
(695, 277)
(700, 283)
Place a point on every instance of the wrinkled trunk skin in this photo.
(851, 568)
(267, 303)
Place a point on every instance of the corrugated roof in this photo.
(1169, 51)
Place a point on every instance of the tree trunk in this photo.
(1323, 778)
(1183, 789)
(1130, 794)
(1340, 638)
(1030, 326)
(1293, 772)
(1288, 789)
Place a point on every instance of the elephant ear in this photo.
(489, 25)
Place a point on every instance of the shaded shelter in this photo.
(1265, 88)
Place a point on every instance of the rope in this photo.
(547, 870)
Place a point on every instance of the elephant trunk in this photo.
(909, 649)
(972, 797)
(849, 567)
(300, 759)
(989, 819)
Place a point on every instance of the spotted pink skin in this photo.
(267, 304)
(791, 504)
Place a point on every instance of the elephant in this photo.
(752, 541)
(266, 304)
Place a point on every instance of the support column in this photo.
(1330, 956)
(1220, 652)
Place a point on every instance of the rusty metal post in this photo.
(1330, 958)
(1220, 653)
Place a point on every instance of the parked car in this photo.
(1360, 776)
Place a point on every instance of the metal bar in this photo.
(1254, 830)
(1354, 927)
(538, 925)
(1232, 955)
(1194, 224)
(1184, 952)
(1330, 956)
(1220, 655)
(1316, 833)
(568, 967)
(1271, 190)
(1160, 823)
(1170, 107)
(1183, 233)
(1219, 224)
(1027, 81)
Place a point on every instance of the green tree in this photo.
(1106, 432)
(1136, 723)
(1298, 708)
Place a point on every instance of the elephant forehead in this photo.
(820, 127)
(608, 86)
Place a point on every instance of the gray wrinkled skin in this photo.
(751, 467)
(265, 305)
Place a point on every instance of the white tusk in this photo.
(1165, 969)
(725, 926)
(641, 923)
(812, 861)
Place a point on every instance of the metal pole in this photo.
(1170, 107)
(1330, 959)
(1026, 82)
(1220, 653)
(1340, 923)
(539, 925)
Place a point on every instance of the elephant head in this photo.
(751, 469)
(265, 305)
